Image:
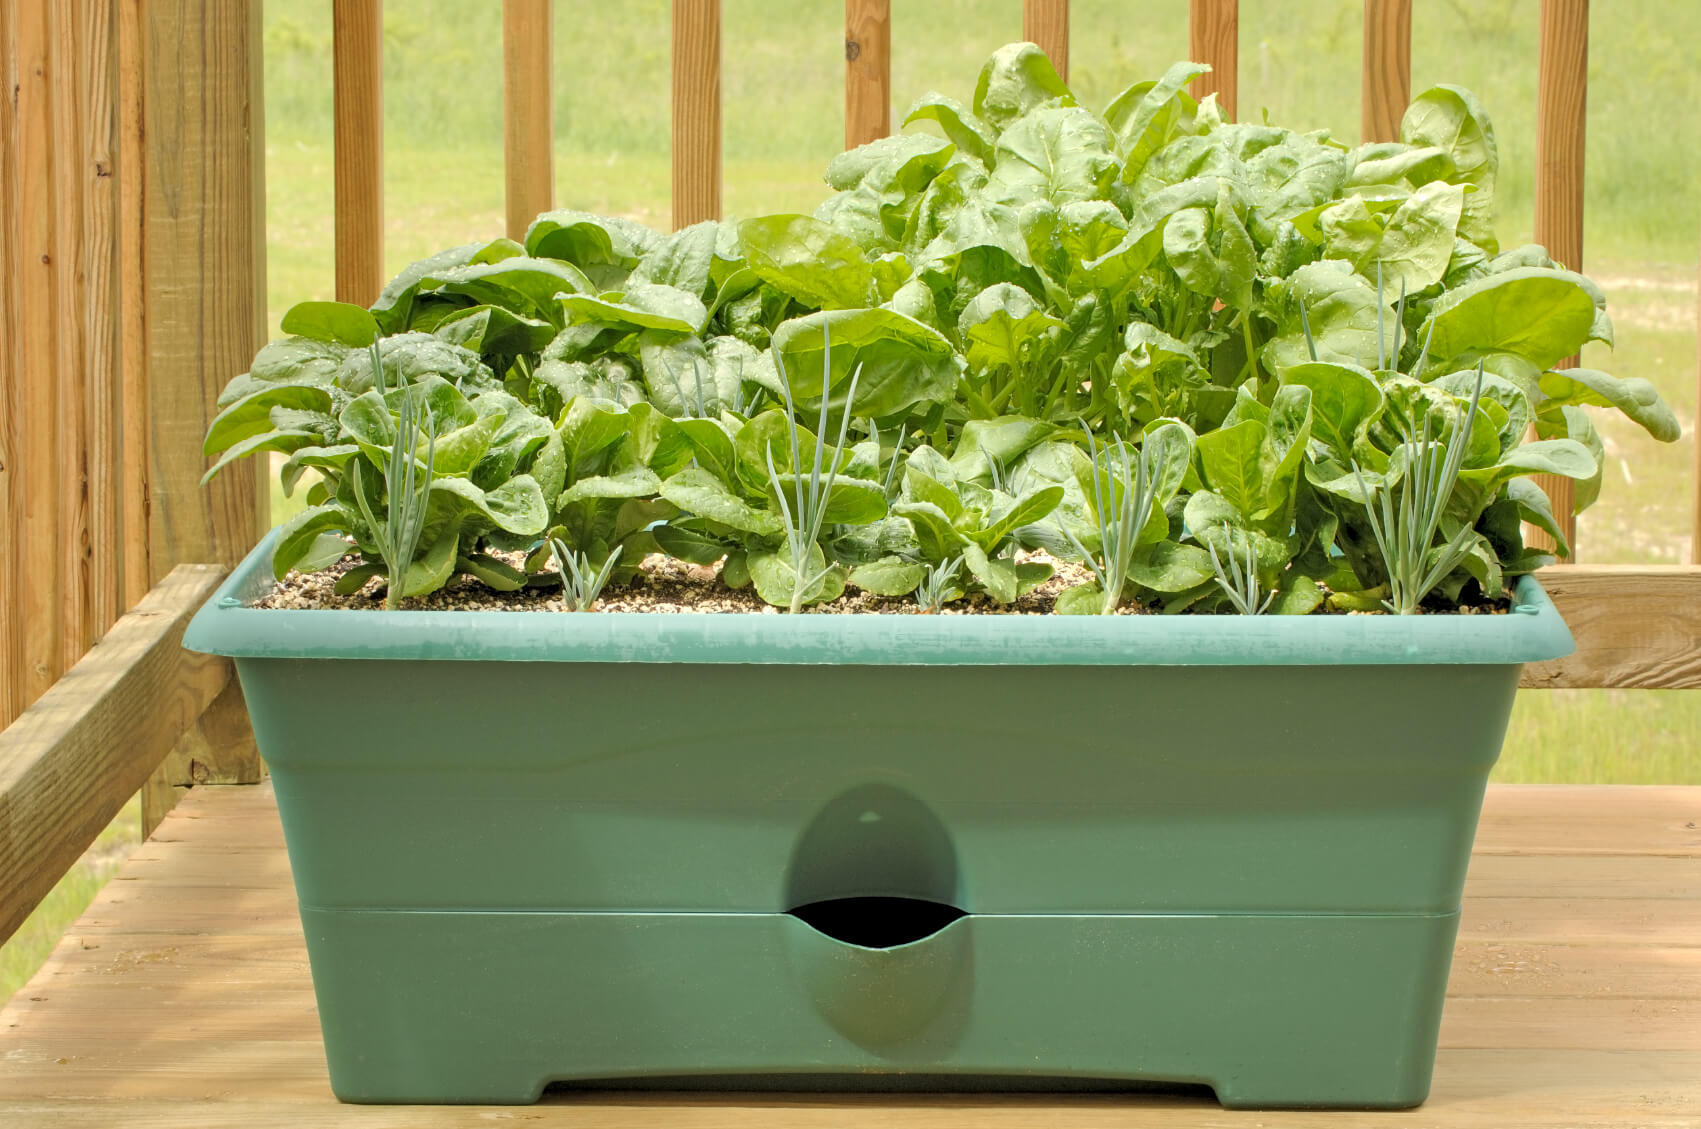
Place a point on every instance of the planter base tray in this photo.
(1269, 1010)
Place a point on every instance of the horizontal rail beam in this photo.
(1636, 626)
(71, 761)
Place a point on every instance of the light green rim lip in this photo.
(1534, 632)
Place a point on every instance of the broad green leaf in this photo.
(490, 571)
(641, 306)
(605, 248)
(1080, 599)
(1535, 507)
(987, 443)
(997, 575)
(775, 580)
(1344, 399)
(888, 576)
(300, 534)
(410, 358)
(1633, 396)
(682, 260)
(1002, 328)
(1341, 309)
(1059, 154)
(633, 482)
(291, 360)
(517, 506)
(521, 285)
(1237, 463)
(696, 491)
(494, 330)
(938, 538)
(968, 133)
(394, 308)
(903, 363)
(1011, 514)
(1171, 567)
(1451, 119)
(1149, 115)
(342, 322)
(808, 260)
(852, 501)
(1017, 78)
(1533, 312)
(285, 442)
(252, 415)
(685, 540)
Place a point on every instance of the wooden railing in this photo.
(132, 286)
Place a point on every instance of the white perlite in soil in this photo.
(673, 587)
(662, 585)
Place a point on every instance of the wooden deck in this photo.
(182, 999)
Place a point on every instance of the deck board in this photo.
(182, 997)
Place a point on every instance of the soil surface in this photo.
(673, 587)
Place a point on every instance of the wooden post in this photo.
(11, 435)
(868, 71)
(357, 69)
(696, 111)
(1046, 24)
(528, 111)
(205, 274)
(1387, 82)
(1213, 35)
(1562, 89)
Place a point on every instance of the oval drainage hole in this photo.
(877, 923)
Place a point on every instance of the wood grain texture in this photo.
(73, 759)
(357, 79)
(1213, 37)
(101, 305)
(1562, 85)
(1046, 23)
(1387, 81)
(205, 267)
(68, 366)
(1543, 820)
(696, 111)
(1635, 626)
(36, 642)
(528, 110)
(868, 71)
(218, 747)
(135, 467)
(1543, 1027)
(11, 616)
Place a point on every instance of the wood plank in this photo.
(1046, 24)
(72, 760)
(357, 82)
(132, 488)
(205, 248)
(868, 71)
(1566, 819)
(1387, 81)
(1572, 1024)
(1562, 83)
(103, 383)
(1583, 921)
(37, 639)
(1508, 969)
(1635, 626)
(528, 110)
(1213, 36)
(1585, 876)
(696, 111)
(68, 440)
(11, 616)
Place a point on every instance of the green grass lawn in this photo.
(782, 92)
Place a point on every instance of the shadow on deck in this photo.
(182, 997)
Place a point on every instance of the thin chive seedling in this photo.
(805, 514)
(1405, 528)
(407, 486)
(1123, 492)
(581, 584)
(938, 586)
(1240, 582)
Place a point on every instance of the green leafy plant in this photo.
(939, 586)
(1405, 529)
(407, 489)
(1124, 486)
(1238, 578)
(805, 512)
(581, 582)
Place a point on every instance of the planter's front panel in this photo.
(1267, 1010)
(997, 789)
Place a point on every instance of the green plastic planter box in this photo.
(941, 852)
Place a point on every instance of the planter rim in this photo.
(1532, 632)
